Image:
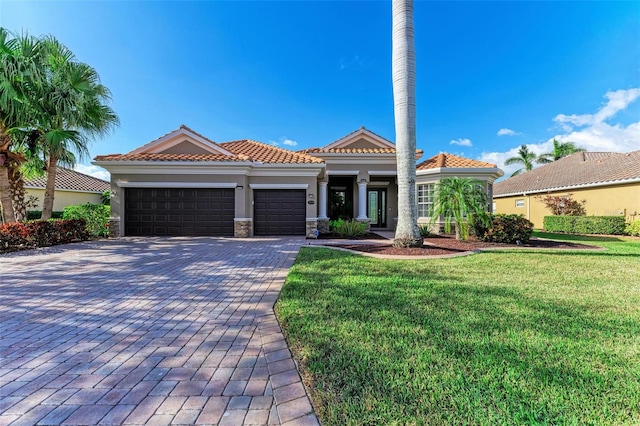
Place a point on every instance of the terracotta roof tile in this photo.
(582, 168)
(170, 157)
(258, 151)
(449, 160)
(71, 180)
(350, 151)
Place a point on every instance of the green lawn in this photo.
(509, 337)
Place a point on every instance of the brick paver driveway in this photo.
(148, 331)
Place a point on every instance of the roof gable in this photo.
(182, 141)
(361, 139)
(579, 169)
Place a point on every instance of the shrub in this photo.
(96, 215)
(425, 230)
(37, 214)
(613, 225)
(503, 228)
(17, 235)
(633, 228)
(348, 228)
(563, 206)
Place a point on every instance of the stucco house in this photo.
(72, 188)
(186, 184)
(608, 182)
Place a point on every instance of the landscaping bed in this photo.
(446, 245)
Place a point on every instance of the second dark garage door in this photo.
(179, 211)
(279, 212)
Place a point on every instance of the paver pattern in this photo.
(148, 331)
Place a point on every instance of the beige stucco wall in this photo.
(64, 198)
(623, 200)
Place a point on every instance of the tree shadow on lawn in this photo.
(438, 349)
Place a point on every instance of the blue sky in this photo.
(490, 75)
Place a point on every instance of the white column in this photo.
(362, 201)
(322, 207)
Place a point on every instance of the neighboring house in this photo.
(608, 182)
(71, 188)
(186, 184)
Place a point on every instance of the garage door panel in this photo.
(279, 212)
(179, 211)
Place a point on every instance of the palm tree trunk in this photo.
(404, 100)
(49, 192)
(16, 181)
(5, 186)
(5, 196)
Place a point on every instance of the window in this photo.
(520, 202)
(426, 193)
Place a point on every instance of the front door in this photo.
(377, 207)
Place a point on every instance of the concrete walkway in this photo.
(148, 331)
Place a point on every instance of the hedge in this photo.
(37, 214)
(611, 225)
(504, 228)
(25, 235)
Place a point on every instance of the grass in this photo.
(500, 337)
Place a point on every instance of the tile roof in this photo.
(171, 157)
(449, 160)
(350, 151)
(258, 151)
(71, 180)
(579, 169)
(242, 150)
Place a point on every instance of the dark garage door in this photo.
(279, 212)
(179, 211)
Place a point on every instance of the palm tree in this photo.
(18, 77)
(456, 201)
(72, 110)
(525, 157)
(560, 149)
(404, 100)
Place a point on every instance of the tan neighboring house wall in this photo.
(63, 198)
(608, 182)
(610, 200)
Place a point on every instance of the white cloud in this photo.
(284, 141)
(507, 132)
(94, 171)
(588, 131)
(461, 142)
(618, 101)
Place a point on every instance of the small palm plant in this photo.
(456, 201)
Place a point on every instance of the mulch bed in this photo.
(435, 246)
(332, 236)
